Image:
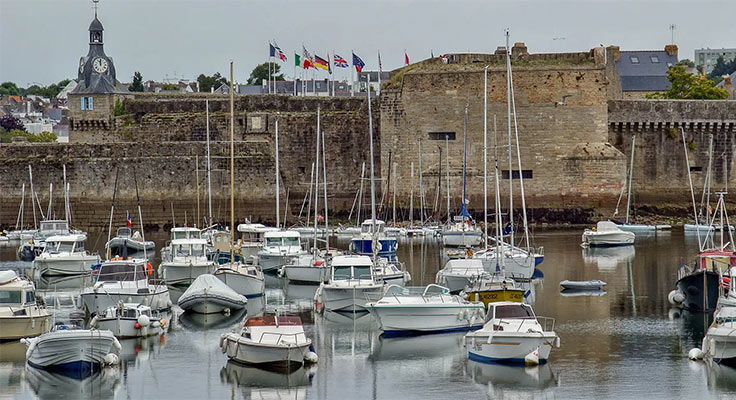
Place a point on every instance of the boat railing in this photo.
(547, 323)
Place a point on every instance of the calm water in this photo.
(624, 344)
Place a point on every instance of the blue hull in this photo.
(75, 370)
(505, 361)
(401, 333)
(538, 260)
(365, 246)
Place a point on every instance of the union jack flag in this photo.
(340, 62)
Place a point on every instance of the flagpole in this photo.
(352, 62)
(333, 75)
(380, 69)
(295, 74)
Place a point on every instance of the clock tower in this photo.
(91, 102)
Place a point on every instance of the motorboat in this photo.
(698, 228)
(719, 343)
(351, 279)
(123, 280)
(489, 288)
(21, 315)
(458, 273)
(179, 232)
(279, 249)
(607, 233)
(461, 233)
(187, 259)
(130, 320)
(29, 250)
(221, 249)
(593, 285)
(209, 295)
(391, 272)
(512, 333)
(273, 340)
(245, 279)
(252, 239)
(430, 309)
(65, 255)
(307, 269)
(129, 244)
(69, 350)
(364, 242)
(698, 286)
(518, 263)
(21, 234)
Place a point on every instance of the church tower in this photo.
(91, 103)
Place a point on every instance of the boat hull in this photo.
(73, 349)
(210, 304)
(155, 296)
(75, 265)
(348, 299)
(249, 286)
(694, 286)
(455, 282)
(184, 274)
(461, 239)
(124, 328)
(608, 239)
(720, 345)
(306, 273)
(272, 262)
(241, 350)
(388, 246)
(501, 294)
(508, 347)
(15, 328)
(124, 247)
(416, 319)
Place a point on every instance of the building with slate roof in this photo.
(645, 71)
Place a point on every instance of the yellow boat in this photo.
(489, 291)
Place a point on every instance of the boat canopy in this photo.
(273, 320)
(185, 232)
(282, 238)
(508, 309)
(121, 270)
(606, 226)
(367, 226)
(54, 225)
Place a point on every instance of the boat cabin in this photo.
(54, 226)
(122, 270)
(128, 310)
(367, 226)
(254, 233)
(509, 310)
(274, 329)
(65, 244)
(352, 267)
(185, 233)
(717, 260)
(188, 247)
(15, 291)
(473, 265)
(282, 239)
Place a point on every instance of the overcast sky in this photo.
(42, 40)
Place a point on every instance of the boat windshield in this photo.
(120, 272)
(54, 226)
(362, 272)
(65, 247)
(10, 296)
(180, 235)
(513, 311)
(195, 235)
(282, 241)
(79, 246)
(51, 247)
(198, 250)
(342, 273)
(368, 228)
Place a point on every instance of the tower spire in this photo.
(95, 6)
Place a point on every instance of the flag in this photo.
(321, 63)
(406, 58)
(340, 62)
(329, 64)
(380, 66)
(358, 63)
(279, 53)
(297, 60)
(128, 220)
(307, 59)
(271, 50)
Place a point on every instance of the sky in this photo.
(41, 41)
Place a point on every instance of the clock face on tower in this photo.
(99, 65)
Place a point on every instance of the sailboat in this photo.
(245, 279)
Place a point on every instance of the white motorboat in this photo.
(390, 273)
(518, 263)
(21, 234)
(512, 334)
(461, 234)
(209, 295)
(595, 284)
(693, 228)
(80, 351)
(274, 341)
(430, 309)
(129, 244)
(179, 232)
(20, 314)
(307, 269)
(126, 281)
(187, 259)
(65, 255)
(363, 243)
(244, 279)
(29, 250)
(607, 233)
(458, 273)
(719, 343)
(130, 320)
(252, 239)
(279, 249)
(351, 279)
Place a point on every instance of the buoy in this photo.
(311, 357)
(137, 325)
(94, 321)
(532, 358)
(111, 359)
(676, 297)
(163, 321)
(695, 354)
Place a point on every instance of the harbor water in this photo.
(624, 343)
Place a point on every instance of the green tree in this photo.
(170, 86)
(687, 62)
(50, 91)
(684, 85)
(118, 108)
(137, 85)
(9, 89)
(260, 73)
(43, 137)
(207, 83)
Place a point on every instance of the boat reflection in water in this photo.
(259, 383)
(136, 350)
(446, 346)
(199, 322)
(13, 352)
(506, 381)
(575, 293)
(693, 326)
(719, 377)
(52, 385)
(607, 259)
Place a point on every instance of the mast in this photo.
(209, 181)
(112, 209)
(22, 209)
(518, 161)
(631, 173)
(692, 192)
(395, 177)
(51, 197)
(196, 173)
(360, 197)
(447, 167)
(497, 199)
(324, 184)
(66, 202)
(33, 203)
(278, 212)
(464, 211)
(411, 199)
(232, 167)
(140, 214)
(373, 181)
(421, 186)
(706, 190)
(508, 123)
(316, 185)
(438, 193)
(485, 155)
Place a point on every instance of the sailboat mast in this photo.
(395, 177)
(373, 179)
(232, 167)
(278, 211)
(508, 123)
(33, 202)
(465, 160)
(360, 196)
(209, 181)
(631, 173)
(22, 209)
(518, 161)
(485, 156)
(411, 199)
(196, 173)
(497, 197)
(66, 203)
(324, 184)
(447, 167)
(421, 186)
(316, 184)
(692, 192)
(706, 205)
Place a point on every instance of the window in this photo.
(86, 103)
(654, 59)
(10, 297)
(525, 173)
(441, 135)
(30, 297)
(634, 59)
(696, 169)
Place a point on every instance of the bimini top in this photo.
(281, 234)
(255, 228)
(606, 226)
(272, 320)
(76, 237)
(351, 260)
(7, 277)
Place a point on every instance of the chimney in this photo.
(500, 51)
(519, 49)
(728, 86)
(671, 49)
(615, 52)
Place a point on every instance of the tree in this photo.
(50, 91)
(207, 83)
(137, 85)
(7, 136)
(170, 86)
(9, 89)
(9, 123)
(684, 85)
(687, 62)
(260, 73)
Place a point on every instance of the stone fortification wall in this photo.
(660, 171)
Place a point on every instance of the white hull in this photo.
(454, 282)
(125, 328)
(70, 265)
(518, 264)
(427, 318)
(248, 285)
(347, 298)
(272, 262)
(460, 239)
(720, 344)
(96, 302)
(592, 238)
(70, 346)
(15, 328)
(511, 347)
(239, 349)
(184, 274)
(306, 273)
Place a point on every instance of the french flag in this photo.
(358, 63)
(128, 220)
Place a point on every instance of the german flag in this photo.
(320, 62)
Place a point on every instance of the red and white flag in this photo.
(128, 220)
(406, 58)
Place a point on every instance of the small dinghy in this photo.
(583, 285)
(130, 320)
(209, 295)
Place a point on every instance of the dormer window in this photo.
(655, 59)
(634, 59)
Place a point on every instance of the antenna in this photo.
(672, 32)
(95, 6)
